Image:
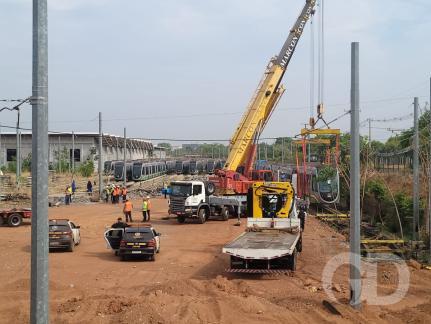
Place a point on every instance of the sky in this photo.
(186, 69)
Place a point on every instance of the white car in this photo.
(63, 234)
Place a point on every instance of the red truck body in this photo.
(13, 217)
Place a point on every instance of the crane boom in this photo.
(268, 92)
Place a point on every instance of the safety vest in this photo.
(128, 206)
(124, 191)
(144, 205)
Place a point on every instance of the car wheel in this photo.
(71, 246)
(14, 220)
(123, 257)
(153, 257)
(202, 215)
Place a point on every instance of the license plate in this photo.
(54, 243)
(136, 252)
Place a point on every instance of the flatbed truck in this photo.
(273, 236)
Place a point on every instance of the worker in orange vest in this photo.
(127, 210)
(124, 193)
(116, 194)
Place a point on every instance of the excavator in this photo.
(238, 174)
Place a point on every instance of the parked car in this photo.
(137, 239)
(63, 234)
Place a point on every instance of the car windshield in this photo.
(183, 190)
(59, 228)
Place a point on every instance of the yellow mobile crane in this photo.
(237, 174)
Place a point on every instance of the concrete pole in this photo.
(369, 134)
(73, 153)
(59, 155)
(355, 212)
(100, 157)
(429, 183)
(124, 159)
(1, 151)
(39, 301)
(18, 151)
(282, 150)
(416, 169)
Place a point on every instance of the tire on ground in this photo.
(202, 215)
(14, 220)
(292, 261)
(299, 244)
(225, 213)
(71, 246)
(181, 219)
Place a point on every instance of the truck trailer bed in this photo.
(262, 245)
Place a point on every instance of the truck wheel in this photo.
(181, 219)
(292, 261)
(71, 246)
(123, 257)
(299, 244)
(225, 213)
(202, 215)
(14, 220)
(2, 220)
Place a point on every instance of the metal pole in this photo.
(39, 304)
(416, 170)
(17, 154)
(369, 134)
(282, 150)
(1, 152)
(100, 157)
(124, 158)
(429, 182)
(355, 212)
(59, 155)
(73, 153)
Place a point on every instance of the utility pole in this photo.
(100, 157)
(429, 181)
(282, 150)
(59, 155)
(18, 151)
(39, 301)
(369, 134)
(416, 169)
(73, 153)
(355, 208)
(1, 151)
(124, 159)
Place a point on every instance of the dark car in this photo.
(63, 234)
(142, 240)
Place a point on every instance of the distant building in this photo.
(86, 148)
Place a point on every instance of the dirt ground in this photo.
(187, 282)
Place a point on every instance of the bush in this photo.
(377, 189)
(86, 169)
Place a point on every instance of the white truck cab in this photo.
(196, 199)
